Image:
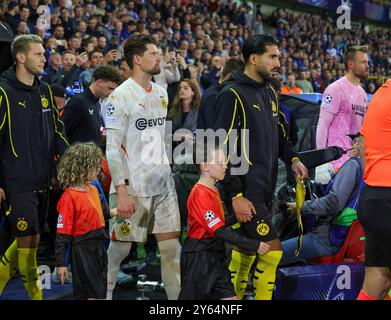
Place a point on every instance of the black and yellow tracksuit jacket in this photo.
(31, 134)
(247, 104)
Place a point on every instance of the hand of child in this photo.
(113, 212)
(62, 273)
(263, 248)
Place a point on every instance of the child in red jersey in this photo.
(81, 222)
(204, 268)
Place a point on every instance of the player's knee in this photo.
(170, 248)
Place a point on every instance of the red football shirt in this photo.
(206, 213)
(80, 212)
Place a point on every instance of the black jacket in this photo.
(206, 110)
(82, 119)
(246, 104)
(30, 134)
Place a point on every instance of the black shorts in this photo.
(261, 226)
(27, 212)
(205, 276)
(89, 269)
(374, 214)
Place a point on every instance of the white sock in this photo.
(170, 251)
(115, 254)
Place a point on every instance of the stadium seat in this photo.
(352, 249)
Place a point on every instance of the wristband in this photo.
(237, 196)
(295, 158)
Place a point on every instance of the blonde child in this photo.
(81, 222)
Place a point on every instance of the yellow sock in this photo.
(8, 263)
(29, 272)
(265, 275)
(240, 267)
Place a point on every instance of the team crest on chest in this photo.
(44, 102)
(164, 102)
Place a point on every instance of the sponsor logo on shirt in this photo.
(359, 110)
(60, 223)
(214, 222)
(142, 123)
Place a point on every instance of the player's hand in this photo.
(126, 206)
(291, 207)
(113, 212)
(243, 209)
(263, 248)
(62, 273)
(2, 194)
(299, 169)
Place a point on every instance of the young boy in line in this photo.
(204, 268)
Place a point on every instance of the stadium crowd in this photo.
(203, 34)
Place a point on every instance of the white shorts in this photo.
(157, 214)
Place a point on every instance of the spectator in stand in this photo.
(184, 110)
(169, 70)
(11, 15)
(58, 32)
(74, 44)
(66, 22)
(24, 13)
(71, 68)
(212, 77)
(50, 73)
(290, 85)
(22, 28)
(303, 83)
(95, 59)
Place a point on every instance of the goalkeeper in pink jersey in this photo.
(342, 110)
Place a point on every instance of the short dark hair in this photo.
(137, 45)
(12, 5)
(92, 52)
(232, 65)
(350, 53)
(257, 45)
(106, 73)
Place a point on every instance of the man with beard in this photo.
(145, 195)
(342, 110)
(248, 107)
(30, 139)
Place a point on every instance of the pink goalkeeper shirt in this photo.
(341, 113)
